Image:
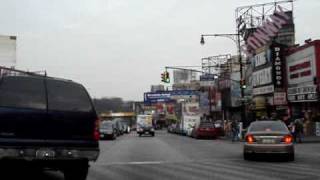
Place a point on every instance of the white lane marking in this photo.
(154, 162)
(132, 163)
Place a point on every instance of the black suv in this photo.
(48, 123)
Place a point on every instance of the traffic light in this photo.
(165, 77)
(243, 84)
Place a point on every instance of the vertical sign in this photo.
(278, 66)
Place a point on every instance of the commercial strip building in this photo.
(280, 80)
(303, 79)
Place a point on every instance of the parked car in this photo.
(218, 125)
(204, 130)
(48, 123)
(119, 127)
(189, 131)
(126, 127)
(171, 128)
(108, 130)
(268, 137)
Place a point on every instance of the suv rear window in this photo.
(22, 92)
(67, 96)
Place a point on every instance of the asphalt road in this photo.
(169, 156)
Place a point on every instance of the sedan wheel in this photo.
(291, 157)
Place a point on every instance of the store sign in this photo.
(169, 96)
(301, 66)
(207, 80)
(263, 90)
(262, 77)
(259, 102)
(278, 62)
(303, 94)
(280, 98)
(265, 33)
(260, 59)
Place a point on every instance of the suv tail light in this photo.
(250, 139)
(287, 139)
(96, 132)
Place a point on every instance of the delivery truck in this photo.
(190, 116)
(145, 125)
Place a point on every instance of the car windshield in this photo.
(268, 126)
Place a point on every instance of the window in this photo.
(268, 126)
(22, 92)
(67, 96)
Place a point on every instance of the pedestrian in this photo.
(234, 130)
(291, 128)
(298, 130)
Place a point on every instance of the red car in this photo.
(205, 130)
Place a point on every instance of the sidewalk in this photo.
(311, 139)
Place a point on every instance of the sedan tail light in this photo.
(250, 139)
(287, 139)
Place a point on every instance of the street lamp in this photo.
(236, 39)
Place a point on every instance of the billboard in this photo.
(169, 96)
(262, 77)
(207, 80)
(301, 66)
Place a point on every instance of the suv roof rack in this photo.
(5, 71)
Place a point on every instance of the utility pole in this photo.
(237, 40)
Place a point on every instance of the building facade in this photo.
(303, 75)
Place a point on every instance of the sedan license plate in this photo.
(147, 132)
(45, 154)
(268, 141)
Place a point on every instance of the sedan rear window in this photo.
(22, 92)
(107, 125)
(67, 96)
(268, 126)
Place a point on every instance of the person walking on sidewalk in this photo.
(298, 130)
(234, 130)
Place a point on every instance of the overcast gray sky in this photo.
(119, 47)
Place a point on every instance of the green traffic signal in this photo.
(165, 77)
